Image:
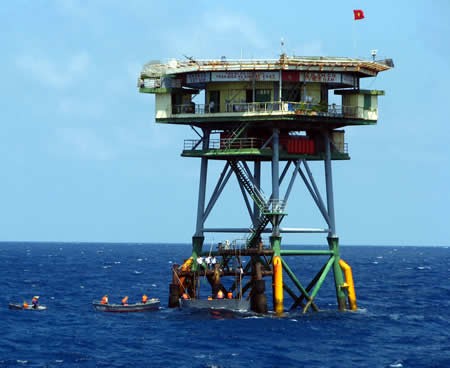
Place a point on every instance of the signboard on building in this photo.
(170, 83)
(348, 79)
(195, 78)
(245, 76)
(320, 77)
(334, 78)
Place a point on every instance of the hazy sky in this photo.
(83, 160)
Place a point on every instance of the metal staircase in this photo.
(259, 200)
(235, 134)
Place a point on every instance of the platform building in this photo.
(288, 112)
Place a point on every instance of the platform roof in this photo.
(364, 68)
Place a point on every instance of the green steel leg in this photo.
(275, 242)
(333, 243)
(197, 245)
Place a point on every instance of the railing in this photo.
(340, 147)
(297, 108)
(276, 206)
(240, 143)
(223, 144)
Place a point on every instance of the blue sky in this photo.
(83, 160)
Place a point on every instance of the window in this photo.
(367, 102)
(262, 95)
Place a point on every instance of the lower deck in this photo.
(294, 148)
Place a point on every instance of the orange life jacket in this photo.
(104, 300)
(220, 294)
(144, 298)
(125, 301)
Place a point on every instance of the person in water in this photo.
(35, 302)
(144, 299)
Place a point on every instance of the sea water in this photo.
(403, 317)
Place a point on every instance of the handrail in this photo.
(225, 144)
(285, 108)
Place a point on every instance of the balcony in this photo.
(266, 109)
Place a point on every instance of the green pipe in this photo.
(294, 278)
(275, 242)
(310, 286)
(316, 289)
(299, 286)
(333, 243)
(197, 245)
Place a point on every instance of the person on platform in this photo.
(144, 299)
(104, 299)
(208, 262)
(35, 302)
(125, 300)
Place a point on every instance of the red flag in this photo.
(359, 14)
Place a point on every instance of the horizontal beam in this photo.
(285, 230)
(226, 230)
(302, 230)
(305, 252)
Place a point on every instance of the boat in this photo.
(235, 305)
(151, 304)
(20, 306)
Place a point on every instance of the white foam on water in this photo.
(396, 365)
(424, 268)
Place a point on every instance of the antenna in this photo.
(282, 45)
(190, 58)
(374, 54)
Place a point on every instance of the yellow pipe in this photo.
(186, 266)
(349, 284)
(278, 285)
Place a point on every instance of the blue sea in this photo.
(403, 318)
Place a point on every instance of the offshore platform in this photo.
(256, 117)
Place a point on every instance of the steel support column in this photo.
(276, 178)
(333, 240)
(257, 181)
(275, 239)
(198, 238)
